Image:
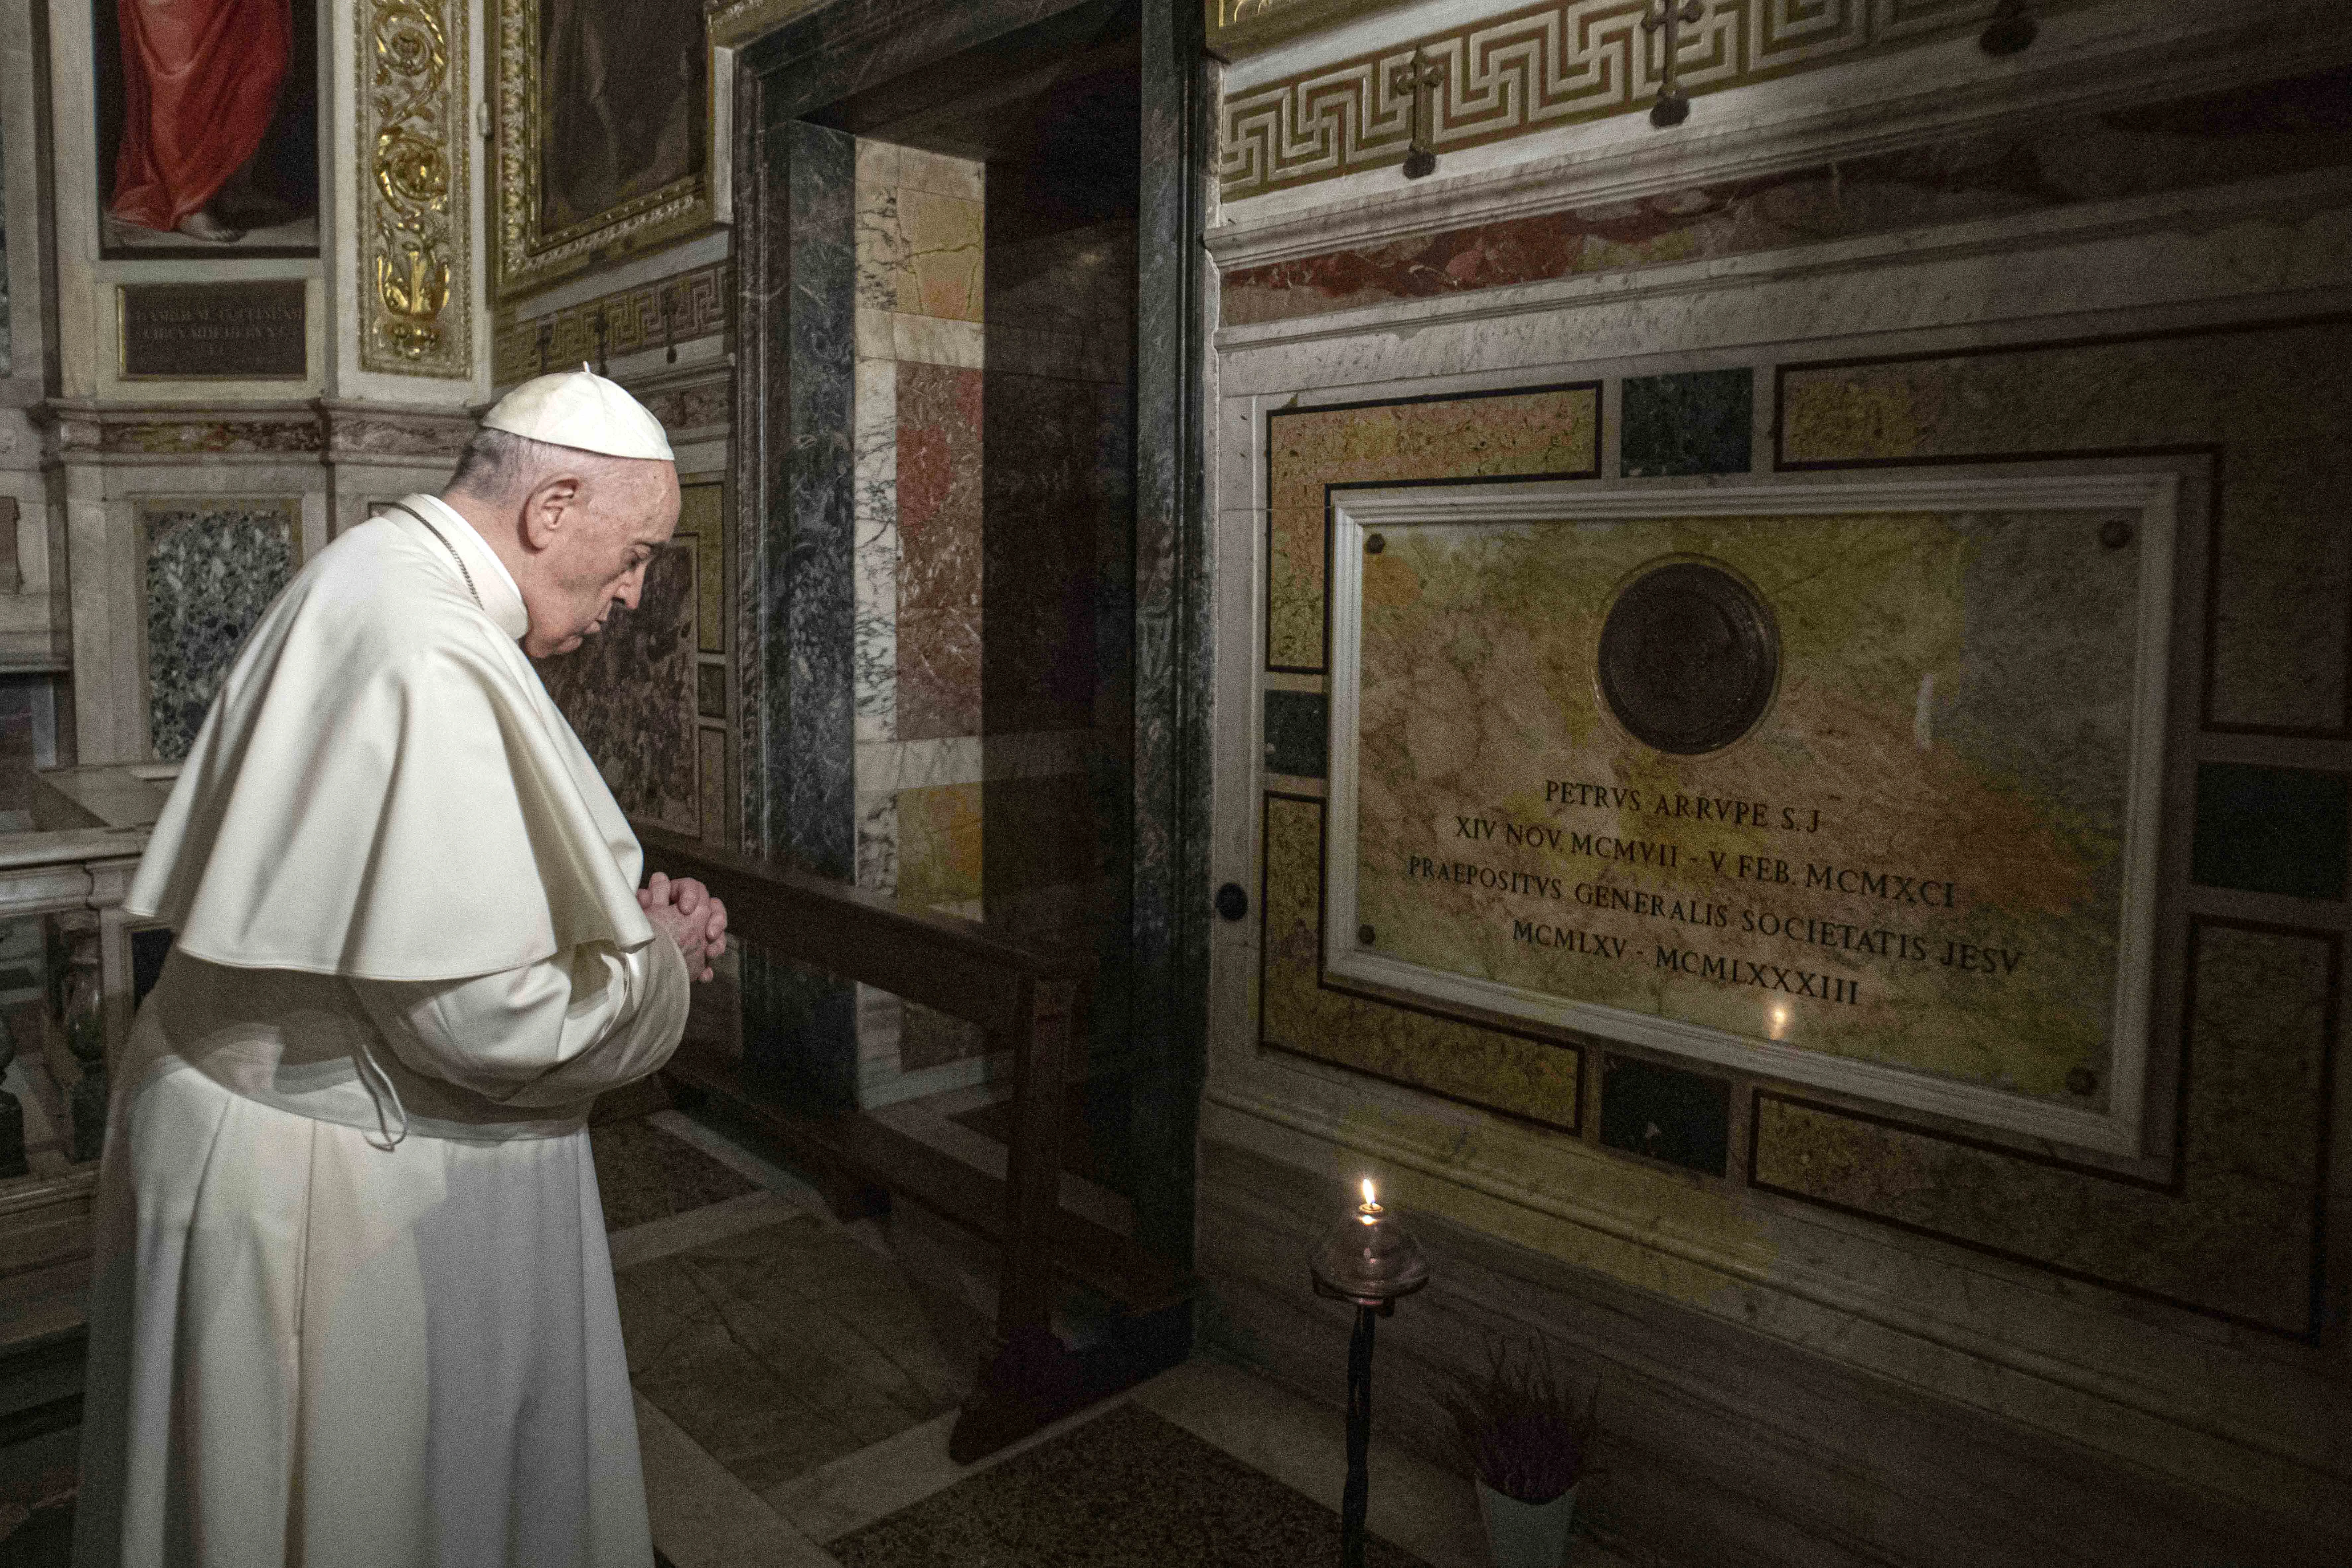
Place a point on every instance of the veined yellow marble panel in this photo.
(2271, 402)
(1916, 857)
(1506, 1072)
(2231, 1235)
(1548, 433)
(939, 845)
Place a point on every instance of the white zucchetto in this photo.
(581, 409)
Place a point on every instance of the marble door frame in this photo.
(795, 539)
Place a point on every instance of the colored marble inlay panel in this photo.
(1543, 67)
(875, 659)
(630, 694)
(1698, 422)
(1505, 1072)
(922, 229)
(2235, 1238)
(1554, 432)
(2271, 830)
(2274, 401)
(938, 673)
(702, 517)
(920, 224)
(939, 561)
(1665, 1113)
(940, 846)
(1298, 734)
(210, 571)
(2272, 129)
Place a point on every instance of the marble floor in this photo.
(795, 1390)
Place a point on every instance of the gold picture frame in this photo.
(530, 255)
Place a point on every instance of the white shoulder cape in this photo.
(383, 789)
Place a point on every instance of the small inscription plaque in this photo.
(1851, 784)
(214, 331)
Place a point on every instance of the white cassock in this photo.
(352, 1302)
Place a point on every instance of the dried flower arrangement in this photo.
(1520, 1424)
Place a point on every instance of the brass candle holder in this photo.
(1369, 1261)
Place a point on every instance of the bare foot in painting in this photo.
(202, 225)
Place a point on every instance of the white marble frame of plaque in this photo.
(2154, 496)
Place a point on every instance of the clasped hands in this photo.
(685, 911)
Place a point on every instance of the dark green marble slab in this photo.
(1298, 734)
(1682, 1118)
(1701, 422)
(2271, 830)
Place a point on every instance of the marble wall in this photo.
(2276, 128)
(648, 697)
(33, 630)
(630, 695)
(209, 573)
(2225, 1225)
(920, 348)
(1299, 116)
(992, 511)
(1749, 1268)
(122, 623)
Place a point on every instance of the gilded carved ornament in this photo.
(415, 262)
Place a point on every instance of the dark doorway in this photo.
(965, 470)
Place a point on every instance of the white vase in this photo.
(1527, 1534)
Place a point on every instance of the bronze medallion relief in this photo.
(1689, 657)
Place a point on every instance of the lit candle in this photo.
(1369, 1211)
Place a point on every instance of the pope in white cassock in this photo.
(353, 1304)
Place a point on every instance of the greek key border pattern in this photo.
(696, 304)
(1546, 66)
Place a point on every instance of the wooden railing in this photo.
(1029, 1003)
(80, 874)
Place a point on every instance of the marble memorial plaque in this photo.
(215, 332)
(1852, 784)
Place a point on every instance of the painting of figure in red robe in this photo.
(208, 133)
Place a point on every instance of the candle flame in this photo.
(1368, 1191)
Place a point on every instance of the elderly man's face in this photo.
(591, 552)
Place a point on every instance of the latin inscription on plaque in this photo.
(1850, 784)
(212, 331)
